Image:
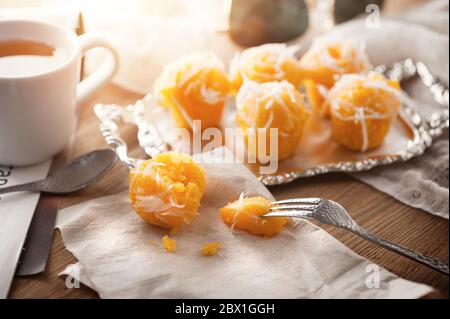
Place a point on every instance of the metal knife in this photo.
(38, 242)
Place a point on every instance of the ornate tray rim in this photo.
(421, 141)
(424, 130)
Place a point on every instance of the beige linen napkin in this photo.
(117, 259)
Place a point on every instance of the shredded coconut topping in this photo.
(351, 51)
(211, 96)
(361, 118)
(151, 204)
(350, 82)
(186, 71)
(266, 95)
(254, 61)
(155, 203)
(347, 85)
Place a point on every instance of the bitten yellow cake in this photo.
(363, 109)
(166, 191)
(269, 105)
(194, 88)
(325, 63)
(265, 63)
(245, 214)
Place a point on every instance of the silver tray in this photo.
(421, 134)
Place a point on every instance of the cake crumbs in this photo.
(170, 245)
(211, 249)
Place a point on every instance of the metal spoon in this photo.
(74, 176)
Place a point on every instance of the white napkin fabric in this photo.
(120, 256)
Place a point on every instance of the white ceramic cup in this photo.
(38, 111)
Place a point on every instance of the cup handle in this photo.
(103, 73)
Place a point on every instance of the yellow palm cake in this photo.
(269, 105)
(194, 88)
(245, 214)
(265, 63)
(326, 62)
(166, 191)
(363, 109)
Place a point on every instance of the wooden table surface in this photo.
(374, 210)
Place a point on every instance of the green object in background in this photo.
(254, 22)
(345, 10)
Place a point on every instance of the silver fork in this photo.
(331, 213)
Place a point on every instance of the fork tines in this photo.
(294, 207)
(300, 201)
